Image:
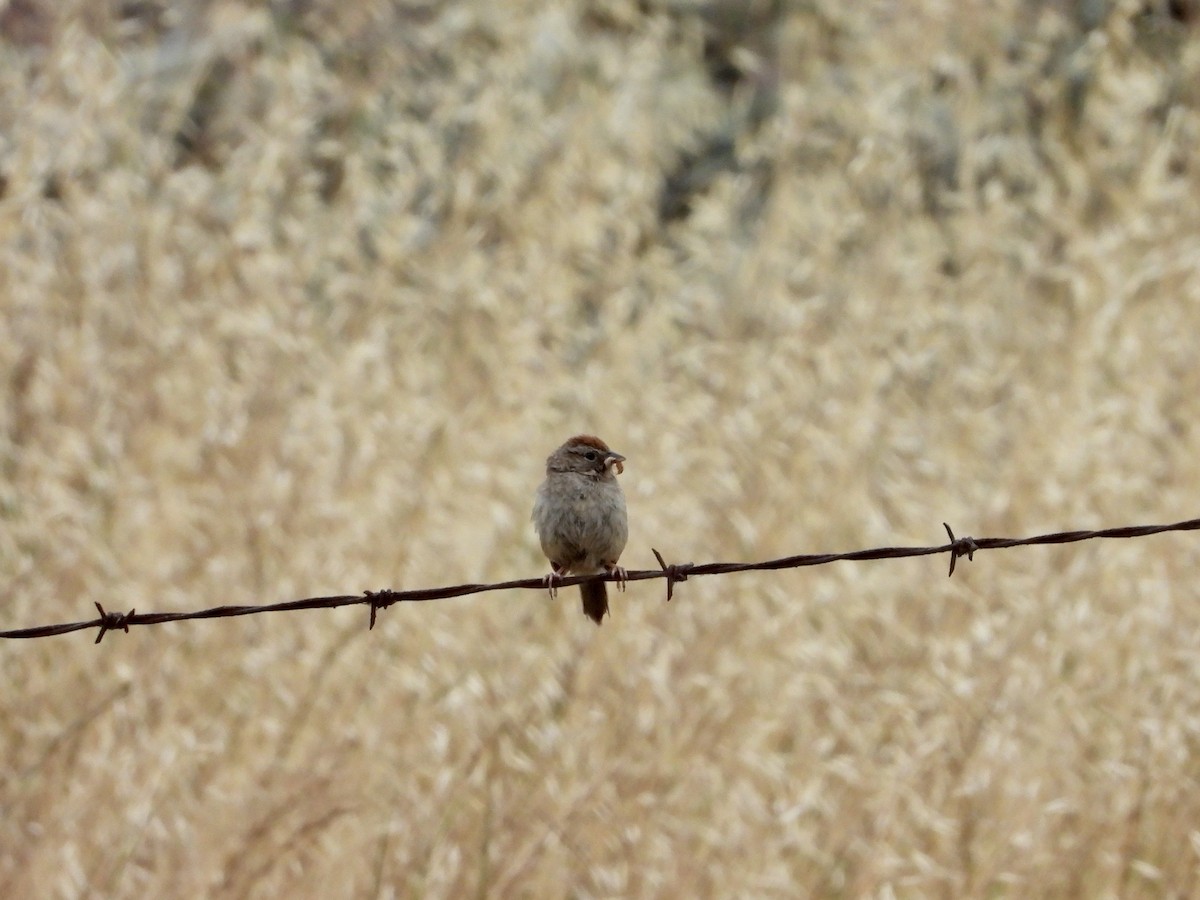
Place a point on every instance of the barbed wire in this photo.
(674, 573)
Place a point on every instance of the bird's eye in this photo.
(590, 456)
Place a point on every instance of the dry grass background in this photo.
(297, 298)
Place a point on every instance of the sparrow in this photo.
(579, 513)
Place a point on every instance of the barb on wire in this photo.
(674, 573)
(960, 547)
(112, 621)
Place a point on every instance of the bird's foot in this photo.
(548, 581)
(619, 573)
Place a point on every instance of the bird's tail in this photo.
(595, 599)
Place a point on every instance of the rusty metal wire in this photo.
(674, 573)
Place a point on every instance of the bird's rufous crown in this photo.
(590, 440)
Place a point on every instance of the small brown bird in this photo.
(580, 517)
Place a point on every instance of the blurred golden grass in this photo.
(297, 299)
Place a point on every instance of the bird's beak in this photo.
(615, 461)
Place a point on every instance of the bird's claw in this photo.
(619, 573)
